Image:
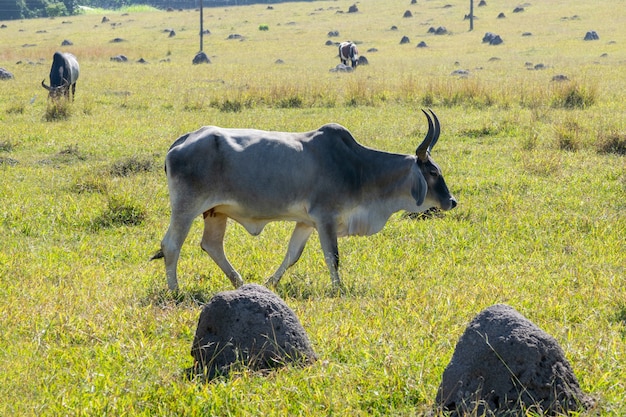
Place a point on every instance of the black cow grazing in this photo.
(322, 180)
(63, 76)
(348, 51)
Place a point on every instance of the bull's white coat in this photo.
(323, 180)
(348, 51)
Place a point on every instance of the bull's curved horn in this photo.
(424, 148)
(43, 84)
(437, 130)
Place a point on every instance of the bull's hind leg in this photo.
(213, 244)
(297, 242)
(171, 244)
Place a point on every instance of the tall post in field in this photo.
(201, 26)
(471, 15)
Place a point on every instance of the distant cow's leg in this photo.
(213, 244)
(297, 242)
(328, 238)
(171, 244)
(73, 91)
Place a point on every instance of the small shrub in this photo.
(541, 163)
(485, 130)
(569, 136)
(291, 102)
(197, 105)
(6, 146)
(264, 27)
(130, 166)
(530, 141)
(573, 96)
(228, 105)
(90, 185)
(8, 161)
(16, 109)
(68, 155)
(120, 211)
(614, 142)
(428, 100)
(58, 110)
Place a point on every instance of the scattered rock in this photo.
(333, 33)
(363, 60)
(252, 327)
(172, 34)
(234, 36)
(279, 61)
(503, 364)
(5, 75)
(518, 9)
(501, 16)
(353, 9)
(497, 40)
(342, 68)
(142, 61)
(492, 39)
(119, 58)
(405, 39)
(592, 35)
(560, 77)
(422, 44)
(117, 40)
(67, 43)
(460, 73)
(482, 3)
(527, 34)
(407, 14)
(372, 50)
(201, 58)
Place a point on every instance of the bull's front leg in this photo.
(328, 239)
(297, 242)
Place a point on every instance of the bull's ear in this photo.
(424, 148)
(418, 191)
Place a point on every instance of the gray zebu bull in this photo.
(348, 51)
(322, 180)
(63, 75)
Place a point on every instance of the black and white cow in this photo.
(348, 51)
(322, 180)
(63, 75)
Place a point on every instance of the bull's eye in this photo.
(434, 173)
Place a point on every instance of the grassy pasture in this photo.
(538, 167)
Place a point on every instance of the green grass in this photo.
(86, 324)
